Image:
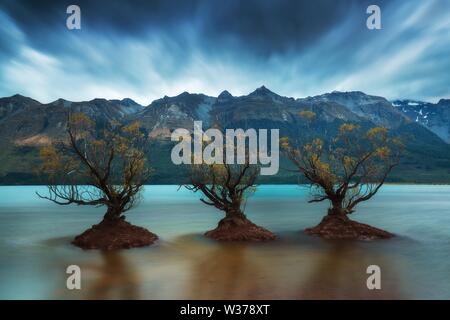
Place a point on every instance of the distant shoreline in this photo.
(260, 184)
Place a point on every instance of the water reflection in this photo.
(180, 267)
(191, 267)
(287, 270)
(340, 273)
(227, 272)
(116, 278)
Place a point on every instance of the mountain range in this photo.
(435, 117)
(26, 125)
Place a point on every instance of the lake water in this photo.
(35, 249)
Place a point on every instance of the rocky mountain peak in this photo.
(61, 102)
(129, 102)
(18, 98)
(263, 91)
(224, 96)
(99, 100)
(184, 94)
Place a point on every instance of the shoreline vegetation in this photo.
(260, 184)
(111, 159)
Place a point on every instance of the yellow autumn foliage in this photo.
(284, 142)
(347, 127)
(382, 152)
(306, 114)
(377, 132)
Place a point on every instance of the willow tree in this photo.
(100, 165)
(227, 187)
(345, 172)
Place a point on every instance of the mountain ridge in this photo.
(26, 124)
(226, 94)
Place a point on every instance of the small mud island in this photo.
(239, 229)
(341, 227)
(113, 235)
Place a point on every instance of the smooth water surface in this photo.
(35, 249)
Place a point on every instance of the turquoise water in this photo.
(35, 249)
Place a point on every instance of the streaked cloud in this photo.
(147, 50)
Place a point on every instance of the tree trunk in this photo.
(233, 218)
(336, 211)
(113, 214)
(234, 214)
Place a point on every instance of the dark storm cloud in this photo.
(266, 26)
(145, 49)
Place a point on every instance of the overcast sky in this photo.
(147, 49)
